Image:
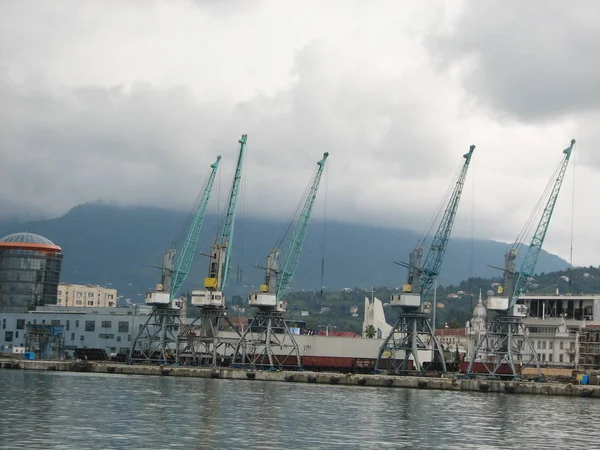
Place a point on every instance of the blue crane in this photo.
(259, 345)
(190, 244)
(506, 339)
(412, 332)
(157, 337)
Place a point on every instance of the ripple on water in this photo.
(75, 411)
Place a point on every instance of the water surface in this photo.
(40, 410)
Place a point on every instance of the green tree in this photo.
(370, 332)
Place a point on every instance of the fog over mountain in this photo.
(118, 246)
(130, 102)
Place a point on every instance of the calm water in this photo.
(81, 411)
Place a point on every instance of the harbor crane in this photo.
(412, 334)
(268, 342)
(157, 338)
(204, 345)
(505, 349)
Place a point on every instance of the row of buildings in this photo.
(40, 314)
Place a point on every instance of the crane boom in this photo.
(435, 255)
(295, 246)
(533, 252)
(184, 263)
(226, 240)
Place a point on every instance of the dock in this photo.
(359, 380)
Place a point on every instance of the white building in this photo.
(375, 316)
(558, 327)
(86, 296)
(111, 329)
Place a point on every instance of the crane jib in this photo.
(295, 246)
(533, 252)
(435, 255)
(184, 262)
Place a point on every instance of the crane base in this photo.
(411, 336)
(267, 343)
(504, 350)
(156, 342)
(202, 345)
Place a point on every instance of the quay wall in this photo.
(383, 381)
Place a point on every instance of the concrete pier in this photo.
(383, 381)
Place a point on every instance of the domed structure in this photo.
(479, 316)
(26, 238)
(29, 271)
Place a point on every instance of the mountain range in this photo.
(118, 247)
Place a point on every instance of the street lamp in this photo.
(327, 327)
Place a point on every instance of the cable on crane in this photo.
(295, 214)
(525, 231)
(439, 211)
(179, 237)
(323, 243)
(572, 225)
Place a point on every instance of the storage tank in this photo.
(29, 272)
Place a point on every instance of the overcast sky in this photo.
(130, 102)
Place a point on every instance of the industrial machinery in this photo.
(412, 335)
(268, 341)
(505, 348)
(157, 338)
(203, 345)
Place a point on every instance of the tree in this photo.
(370, 332)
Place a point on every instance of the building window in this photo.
(562, 346)
(106, 324)
(77, 324)
(123, 327)
(8, 336)
(4, 324)
(55, 322)
(91, 303)
(544, 345)
(106, 336)
(90, 325)
(551, 345)
(16, 334)
(571, 358)
(68, 324)
(550, 357)
(72, 336)
(539, 345)
(81, 337)
(561, 357)
(128, 338)
(20, 324)
(118, 338)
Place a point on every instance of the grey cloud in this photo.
(151, 146)
(534, 60)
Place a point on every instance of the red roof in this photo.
(451, 332)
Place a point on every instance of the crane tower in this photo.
(268, 342)
(156, 340)
(505, 349)
(412, 336)
(204, 345)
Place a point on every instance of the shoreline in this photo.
(383, 381)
